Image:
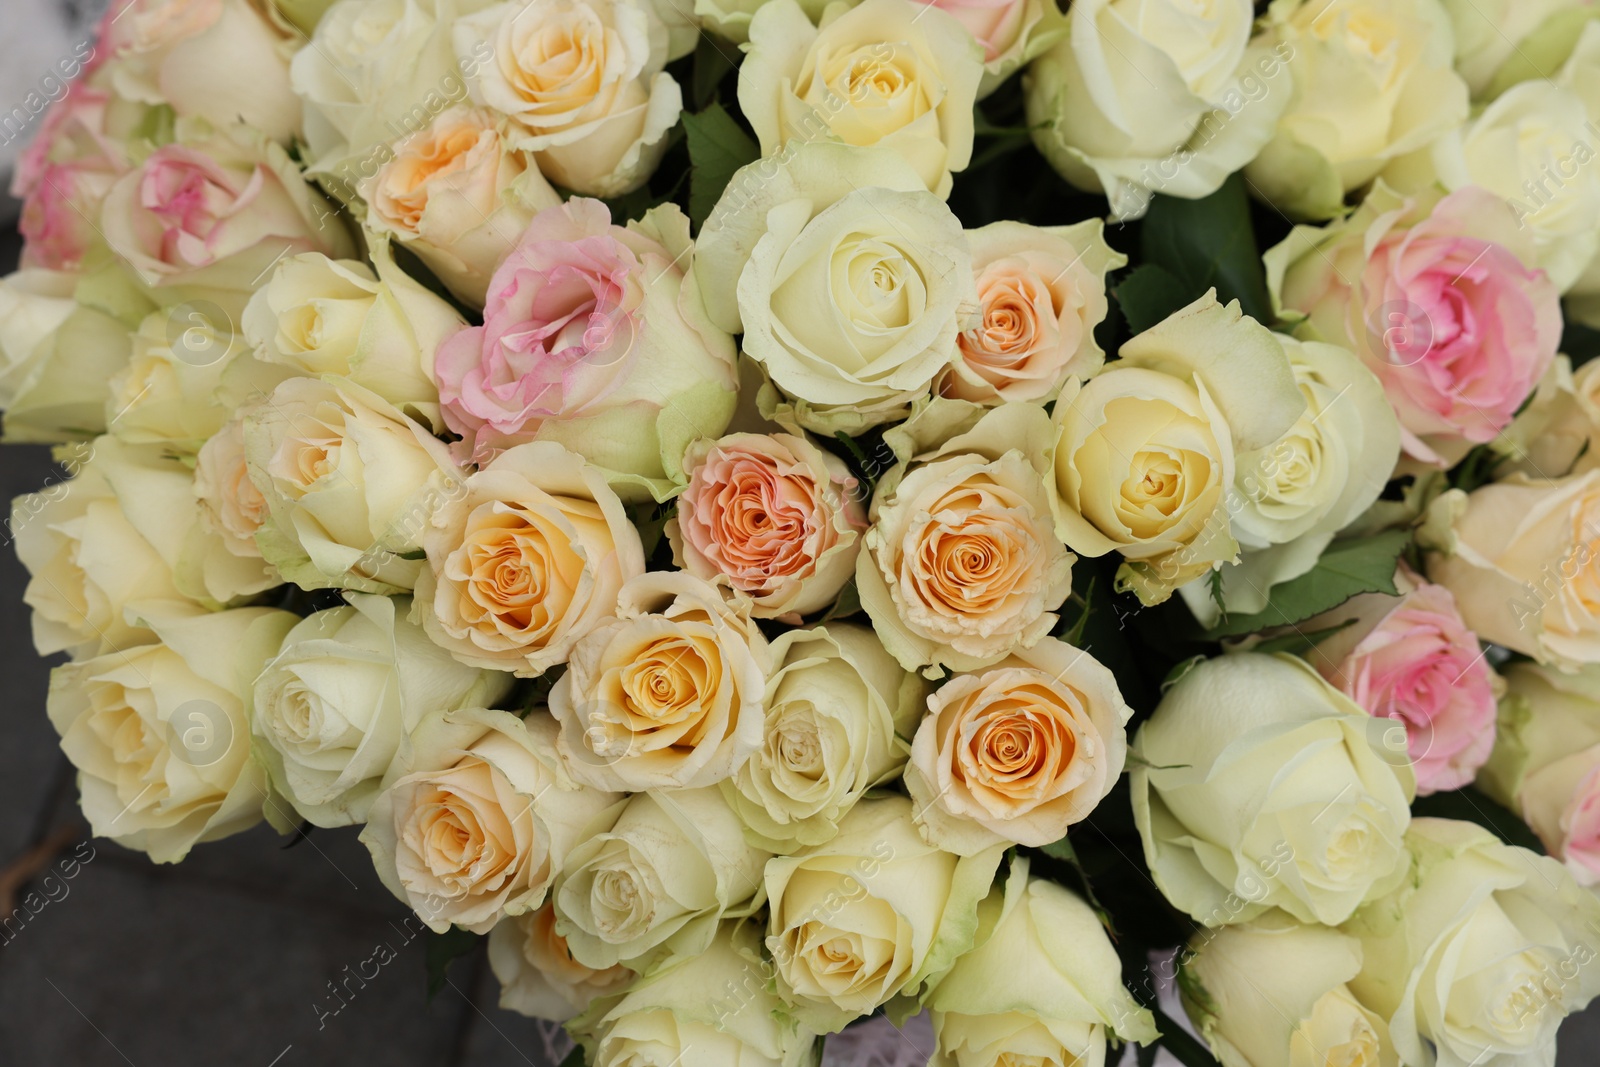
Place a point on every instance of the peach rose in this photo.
(774, 517)
(525, 560)
(230, 503)
(457, 195)
(481, 818)
(1041, 293)
(668, 693)
(1017, 753)
(963, 566)
(538, 976)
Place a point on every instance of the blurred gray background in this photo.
(227, 958)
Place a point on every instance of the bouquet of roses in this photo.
(704, 489)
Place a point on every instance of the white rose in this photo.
(187, 55)
(666, 693)
(872, 338)
(349, 683)
(1502, 42)
(1273, 992)
(56, 358)
(1018, 753)
(480, 819)
(159, 733)
(349, 482)
(712, 1008)
(1146, 96)
(583, 82)
(1370, 81)
(317, 316)
(124, 530)
(1479, 953)
(1546, 761)
(837, 706)
(883, 72)
(657, 883)
(1042, 984)
(537, 974)
(169, 392)
(1259, 785)
(871, 914)
(1290, 498)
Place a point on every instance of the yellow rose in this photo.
(1147, 448)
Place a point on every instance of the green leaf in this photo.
(443, 950)
(717, 148)
(574, 1058)
(1469, 805)
(1149, 294)
(713, 59)
(1580, 343)
(1346, 569)
(1176, 1040)
(1296, 643)
(1210, 242)
(847, 604)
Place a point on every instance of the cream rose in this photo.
(349, 484)
(480, 818)
(666, 693)
(1288, 500)
(583, 82)
(1477, 956)
(1018, 753)
(1546, 761)
(1502, 42)
(713, 1008)
(126, 529)
(159, 733)
(169, 391)
(1557, 432)
(1147, 96)
(1259, 785)
(379, 328)
(525, 560)
(1041, 293)
(1369, 81)
(1147, 449)
(962, 565)
(330, 709)
(883, 72)
(837, 706)
(458, 196)
(871, 914)
(1042, 984)
(773, 517)
(656, 884)
(852, 347)
(538, 976)
(57, 358)
(187, 55)
(1274, 988)
(1522, 558)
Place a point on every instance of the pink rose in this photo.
(62, 178)
(1410, 658)
(995, 24)
(593, 335)
(1435, 297)
(217, 213)
(775, 517)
